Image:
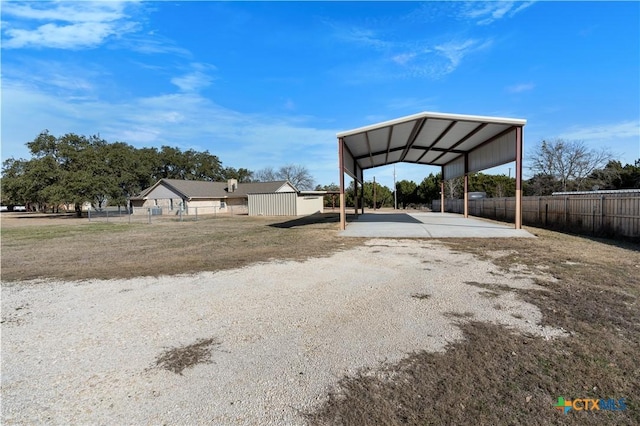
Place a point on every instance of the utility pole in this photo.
(374, 193)
(395, 190)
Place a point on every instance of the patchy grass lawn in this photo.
(499, 377)
(493, 377)
(74, 249)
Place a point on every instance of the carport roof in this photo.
(428, 138)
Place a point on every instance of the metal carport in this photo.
(459, 144)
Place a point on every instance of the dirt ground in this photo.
(295, 325)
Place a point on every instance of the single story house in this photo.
(175, 196)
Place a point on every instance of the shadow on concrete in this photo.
(314, 219)
(387, 218)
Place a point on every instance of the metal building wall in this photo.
(500, 151)
(275, 204)
(309, 204)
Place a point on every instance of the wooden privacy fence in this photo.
(597, 214)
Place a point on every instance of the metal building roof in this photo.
(432, 138)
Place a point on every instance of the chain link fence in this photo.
(158, 214)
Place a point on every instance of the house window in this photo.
(222, 205)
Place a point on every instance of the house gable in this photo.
(286, 187)
(163, 191)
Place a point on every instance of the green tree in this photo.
(383, 195)
(330, 200)
(242, 175)
(429, 189)
(407, 192)
(15, 185)
(540, 185)
(630, 176)
(493, 185)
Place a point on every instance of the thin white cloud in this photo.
(65, 80)
(86, 11)
(430, 57)
(424, 60)
(366, 37)
(194, 80)
(67, 25)
(522, 87)
(151, 43)
(604, 132)
(170, 119)
(404, 58)
(485, 13)
(455, 51)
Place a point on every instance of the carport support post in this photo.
(466, 195)
(343, 216)
(466, 185)
(518, 219)
(442, 190)
(355, 196)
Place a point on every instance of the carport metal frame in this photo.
(459, 144)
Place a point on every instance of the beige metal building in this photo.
(286, 203)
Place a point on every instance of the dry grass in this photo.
(492, 377)
(74, 249)
(178, 359)
(498, 377)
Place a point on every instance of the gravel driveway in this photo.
(284, 333)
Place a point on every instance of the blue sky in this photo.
(270, 83)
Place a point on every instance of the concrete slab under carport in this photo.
(428, 225)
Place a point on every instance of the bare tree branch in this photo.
(298, 175)
(567, 161)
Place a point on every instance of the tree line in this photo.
(73, 169)
(412, 194)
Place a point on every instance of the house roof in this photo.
(193, 189)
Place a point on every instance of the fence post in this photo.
(601, 212)
(89, 213)
(149, 213)
(546, 214)
(539, 210)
